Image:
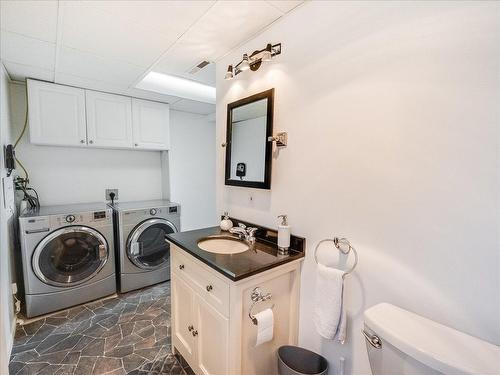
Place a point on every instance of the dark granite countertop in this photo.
(262, 257)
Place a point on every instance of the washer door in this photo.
(70, 256)
(147, 245)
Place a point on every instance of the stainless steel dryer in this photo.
(142, 250)
(67, 256)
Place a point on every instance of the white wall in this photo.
(392, 111)
(192, 168)
(66, 175)
(7, 317)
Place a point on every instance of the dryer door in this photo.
(147, 245)
(70, 256)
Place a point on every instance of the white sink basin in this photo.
(223, 245)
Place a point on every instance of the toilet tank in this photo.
(400, 342)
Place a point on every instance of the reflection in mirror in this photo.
(248, 141)
(248, 152)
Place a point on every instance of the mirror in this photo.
(248, 151)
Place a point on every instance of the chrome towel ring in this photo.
(344, 246)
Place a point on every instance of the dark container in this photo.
(293, 360)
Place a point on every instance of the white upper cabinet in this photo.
(68, 116)
(56, 114)
(109, 120)
(151, 125)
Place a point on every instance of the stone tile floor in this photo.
(129, 334)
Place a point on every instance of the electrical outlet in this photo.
(14, 288)
(108, 191)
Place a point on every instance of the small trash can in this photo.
(293, 360)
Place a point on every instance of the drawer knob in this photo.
(82, 141)
(194, 333)
(91, 142)
(190, 328)
(181, 266)
(209, 288)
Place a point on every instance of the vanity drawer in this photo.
(212, 288)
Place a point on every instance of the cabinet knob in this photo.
(190, 328)
(82, 141)
(136, 144)
(181, 266)
(91, 142)
(209, 288)
(194, 333)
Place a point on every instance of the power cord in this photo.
(22, 184)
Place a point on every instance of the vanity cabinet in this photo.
(211, 328)
(56, 114)
(109, 120)
(68, 116)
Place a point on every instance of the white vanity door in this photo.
(183, 318)
(56, 114)
(109, 120)
(151, 123)
(212, 339)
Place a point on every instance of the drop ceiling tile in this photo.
(19, 72)
(36, 19)
(166, 17)
(91, 29)
(87, 65)
(226, 25)
(28, 51)
(285, 5)
(192, 106)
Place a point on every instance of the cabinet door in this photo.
(109, 120)
(183, 322)
(151, 124)
(56, 114)
(212, 339)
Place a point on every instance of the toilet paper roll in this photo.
(265, 326)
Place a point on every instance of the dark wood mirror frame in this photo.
(266, 184)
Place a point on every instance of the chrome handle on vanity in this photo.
(82, 141)
(91, 142)
(209, 288)
(373, 340)
(181, 266)
(190, 328)
(195, 333)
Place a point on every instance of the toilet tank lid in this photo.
(435, 345)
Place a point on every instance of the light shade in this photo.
(244, 64)
(177, 86)
(229, 73)
(266, 55)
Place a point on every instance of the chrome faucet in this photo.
(244, 233)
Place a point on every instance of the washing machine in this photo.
(142, 249)
(67, 256)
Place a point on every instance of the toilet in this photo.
(400, 342)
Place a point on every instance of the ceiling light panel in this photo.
(177, 86)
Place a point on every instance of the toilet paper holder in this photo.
(258, 296)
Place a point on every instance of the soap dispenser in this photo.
(226, 223)
(283, 236)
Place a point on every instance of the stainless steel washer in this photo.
(67, 256)
(142, 250)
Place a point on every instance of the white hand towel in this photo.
(265, 326)
(329, 313)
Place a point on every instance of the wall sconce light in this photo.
(254, 61)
